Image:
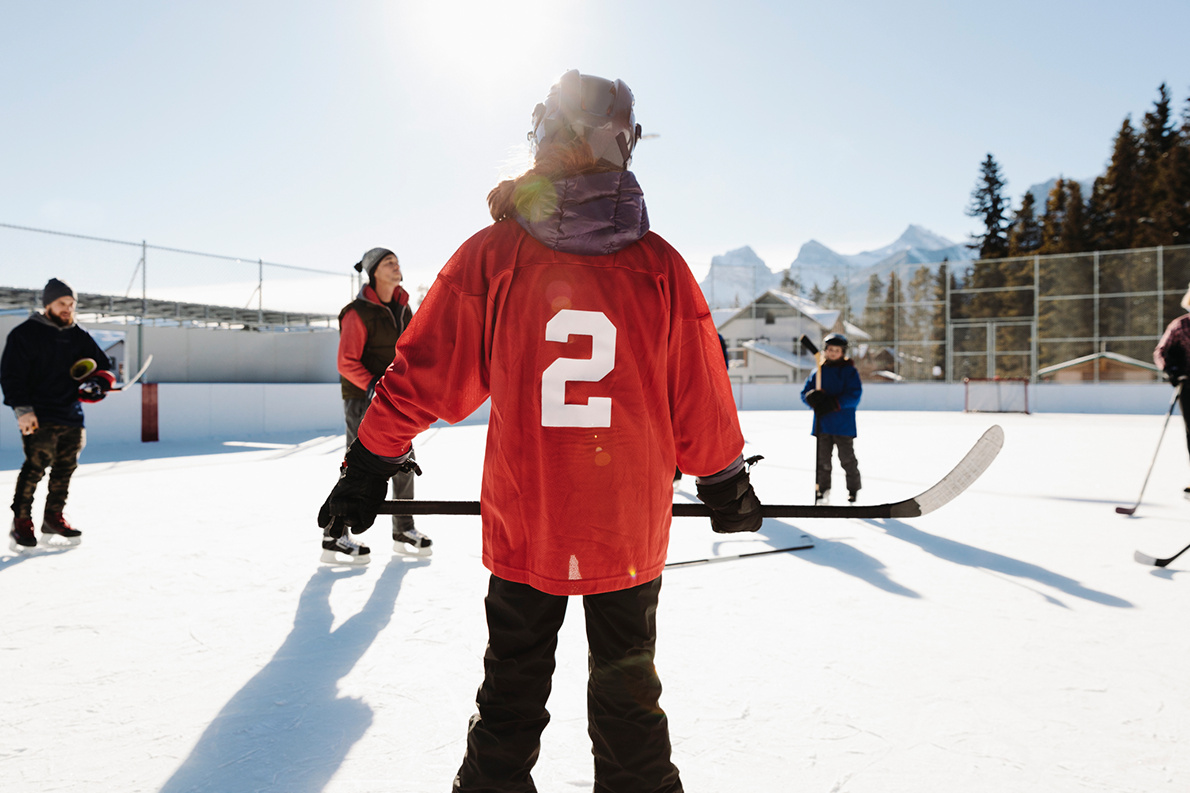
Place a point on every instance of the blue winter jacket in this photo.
(840, 380)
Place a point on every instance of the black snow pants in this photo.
(1184, 402)
(52, 446)
(629, 731)
(826, 445)
(353, 414)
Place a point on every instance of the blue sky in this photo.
(307, 132)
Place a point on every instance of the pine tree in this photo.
(989, 205)
(1024, 235)
(1053, 219)
(1116, 204)
(1157, 138)
(1074, 229)
(817, 295)
(876, 316)
(791, 283)
(836, 297)
(1171, 208)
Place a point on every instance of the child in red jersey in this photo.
(596, 347)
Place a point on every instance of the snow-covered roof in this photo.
(855, 333)
(825, 317)
(1111, 356)
(781, 356)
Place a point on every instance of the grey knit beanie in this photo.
(371, 259)
(55, 289)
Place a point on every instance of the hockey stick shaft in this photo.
(1177, 392)
(735, 556)
(970, 468)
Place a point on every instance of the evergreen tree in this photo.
(791, 283)
(817, 295)
(990, 207)
(836, 297)
(1024, 235)
(1116, 200)
(1157, 138)
(1053, 219)
(1074, 228)
(1171, 206)
(876, 316)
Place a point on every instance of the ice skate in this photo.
(1186, 493)
(54, 524)
(21, 536)
(412, 542)
(852, 496)
(822, 498)
(341, 550)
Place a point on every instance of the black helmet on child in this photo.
(592, 108)
(837, 339)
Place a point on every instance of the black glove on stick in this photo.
(733, 504)
(362, 485)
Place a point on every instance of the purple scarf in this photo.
(589, 215)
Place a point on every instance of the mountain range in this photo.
(739, 275)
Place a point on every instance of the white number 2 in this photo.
(598, 410)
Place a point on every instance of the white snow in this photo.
(1007, 642)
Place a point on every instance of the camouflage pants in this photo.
(51, 446)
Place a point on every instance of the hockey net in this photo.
(999, 395)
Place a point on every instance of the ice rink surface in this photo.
(1007, 642)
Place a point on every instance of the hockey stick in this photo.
(135, 377)
(1131, 510)
(959, 479)
(732, 557)
(1144, 558)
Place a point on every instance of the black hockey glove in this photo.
(822, 402)
(734, 506)
(95, 388)
(362, 486)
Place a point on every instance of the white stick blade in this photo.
(1144, 558)
(967, 471)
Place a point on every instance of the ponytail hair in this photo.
(531, 195)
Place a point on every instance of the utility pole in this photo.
(144, 305)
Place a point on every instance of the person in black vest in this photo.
(50, 364)
(369, 327)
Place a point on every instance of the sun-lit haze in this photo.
(306, 133)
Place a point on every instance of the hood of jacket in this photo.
(591, 215)
(366, 292)
(39, 317)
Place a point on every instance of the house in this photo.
(763, 337)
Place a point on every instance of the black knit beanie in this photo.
(55, 289)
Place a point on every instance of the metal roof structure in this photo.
(161, 311)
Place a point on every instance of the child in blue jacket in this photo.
(834, 404)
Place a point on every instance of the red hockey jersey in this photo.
(603, 372)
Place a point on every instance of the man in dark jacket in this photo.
(49, 364)
(833, 392)
(369, 327)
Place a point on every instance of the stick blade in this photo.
(962, 475)
(1144, 558)
(1125, 510)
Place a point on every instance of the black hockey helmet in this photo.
(836, 339)
(592, 108)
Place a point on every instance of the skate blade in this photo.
(16, 547)
(58, 541)
(405, 549)
(337, 557)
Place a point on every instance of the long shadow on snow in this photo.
(288, 729)
(969, 555)
(14, 558)
(827, 553)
